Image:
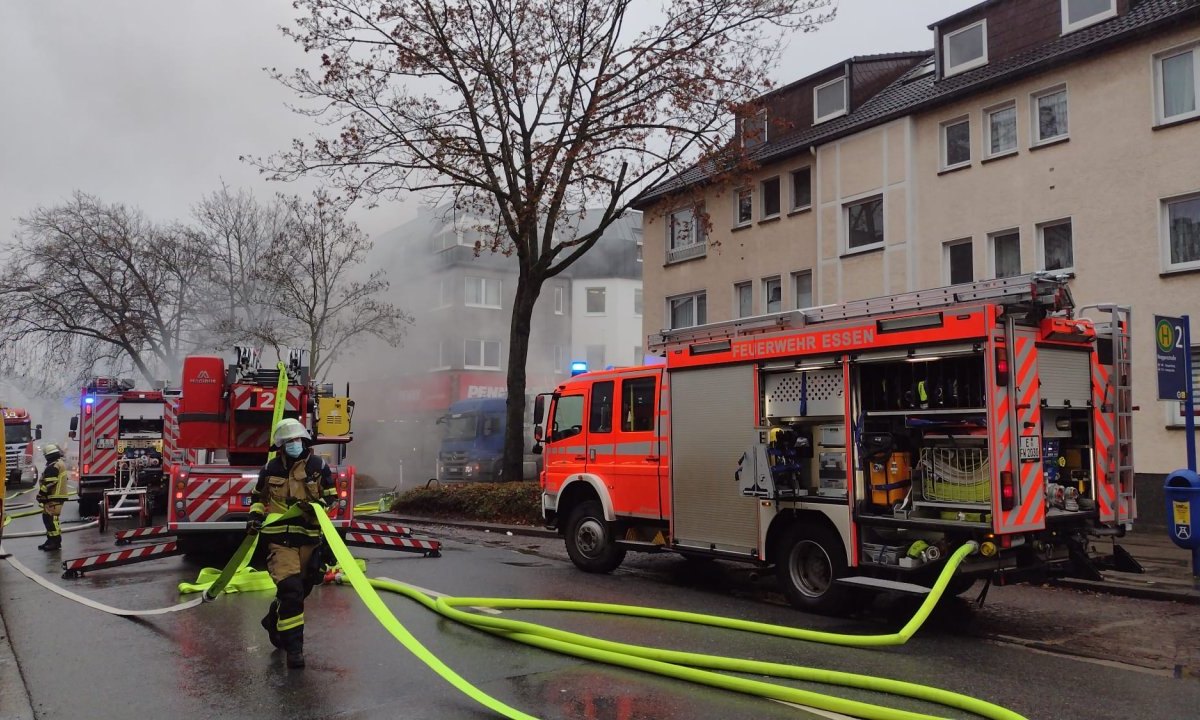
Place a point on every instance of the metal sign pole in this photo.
(1189, 407)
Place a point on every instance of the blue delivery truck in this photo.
(472, 443)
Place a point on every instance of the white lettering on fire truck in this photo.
(808, 342)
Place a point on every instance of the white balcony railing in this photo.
(687, 252)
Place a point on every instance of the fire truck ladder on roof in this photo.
(1042, 290)
(1117, 325)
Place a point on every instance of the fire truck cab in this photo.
(19, 436)
(857, 445)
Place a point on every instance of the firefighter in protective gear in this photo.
(52, 494)
(294, 475)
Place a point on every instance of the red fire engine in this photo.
(121, 441)
(855, 445)
(19, 434)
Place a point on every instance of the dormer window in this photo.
(754, 129)
(965, 48)
(1078, 14)
(829, 100)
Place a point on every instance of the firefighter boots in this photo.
(269, 622)
(54, 543)
(295, 658)
(293, 643)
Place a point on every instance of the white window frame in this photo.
(792, 188)
(846, 249)
(483, 303)
(766, 284)
(1088, 21)
(845, 100)
(483, 354)
(560, 294)
(945, 147)
(443, 351)
(1041, 242)
(947, 278)
(970, 64)
(603, 293)
(1164, 234)
(697, 248)
(560, 362)
(737, 299)
(1035, 127)
(760, 116)
(812, 288)
(445, 294)
(737, 207)
(991, 249)
(639, 298)
(762, 193)
(986, 130)
(1160, 100)
(694, 296)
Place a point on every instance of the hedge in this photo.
(517, 503)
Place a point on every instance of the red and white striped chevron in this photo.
(253, 397)
(98, 421)
(121, 557)
(145, 533)
(206, 498)
(389, 542)
(380, 528)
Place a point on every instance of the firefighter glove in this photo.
(41, 498)
(254, 524)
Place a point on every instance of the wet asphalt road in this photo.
(214, 661)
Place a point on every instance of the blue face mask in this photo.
(293, 448)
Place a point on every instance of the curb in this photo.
(1138, 592)
(17, 704)
(522, 530)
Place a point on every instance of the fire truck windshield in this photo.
(17, 434)
(140, 426)
(461, 427)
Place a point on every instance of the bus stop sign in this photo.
(1170, 348)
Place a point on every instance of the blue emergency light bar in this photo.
(89, 400)
(578, 367)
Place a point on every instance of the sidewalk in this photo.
(1168, 569)
(16, 704)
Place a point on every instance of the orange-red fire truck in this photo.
(19, 434)
(121, 440)
(853, 446)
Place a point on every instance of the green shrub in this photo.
(516, 503)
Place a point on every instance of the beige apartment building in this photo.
(1037, 135)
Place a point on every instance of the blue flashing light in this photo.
(578, 367)
(89, 400)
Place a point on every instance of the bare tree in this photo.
(313, 293)
(94, 282)
(524, 111)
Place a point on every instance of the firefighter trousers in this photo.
(290, 566)
(50, 513)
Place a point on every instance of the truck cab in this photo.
(472, 445)
(19, 437)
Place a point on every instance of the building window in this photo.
(745, 207)
(559, 300)
(802, 289)
(1055, 244)
(1078, 14)
(829, 100)
(595, 301)
(772, 294)
(802, 188)
(754, 129)
(965, 48)
(687, 310)
(637, 302)
(743, 299)
(1175, 83)
(560, 363)
(770, 198)
(1001, 130)
(1049, 115)
(956, 143)
(959, 262)
(639, 251)
(638, 359)
(483, 292)
(684, 237)
(445, 354)
(595, 356)
(445, 292)
(1181, 232)
(482, 355)
(864, 224)
(1006, 253)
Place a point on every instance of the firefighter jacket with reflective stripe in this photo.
(54, 481)
(284, 482)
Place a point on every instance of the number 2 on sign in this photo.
(266, 399)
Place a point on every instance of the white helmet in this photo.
(290, 429)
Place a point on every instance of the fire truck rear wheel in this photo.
(89, 507)
(590, 540)
(808, 561)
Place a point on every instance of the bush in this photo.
(516, 503)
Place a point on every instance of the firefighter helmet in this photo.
(51, 449)
(290, 429)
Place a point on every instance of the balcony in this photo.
(687, 252)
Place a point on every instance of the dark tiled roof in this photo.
(913, 92)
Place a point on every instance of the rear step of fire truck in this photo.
(382, 536)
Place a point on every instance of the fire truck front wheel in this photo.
(590, 540)
(808, 561)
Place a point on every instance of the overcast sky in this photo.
(150, 102)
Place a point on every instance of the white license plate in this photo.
(1030, 449)
(105, 443)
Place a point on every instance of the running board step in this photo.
(870, 583)
(639, 545)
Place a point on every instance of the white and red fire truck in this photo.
(225, 418)
(854, 446)
(122, 440)
(19, 437)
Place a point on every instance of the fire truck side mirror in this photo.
(74, 425)
(539, 410)
(37, 432)
(71, 434)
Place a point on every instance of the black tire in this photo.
(808, 560)
(590, 540)
(89, 506)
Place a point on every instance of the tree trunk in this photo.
(512, 465)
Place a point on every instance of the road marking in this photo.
(1024, 645)
(436, 594)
